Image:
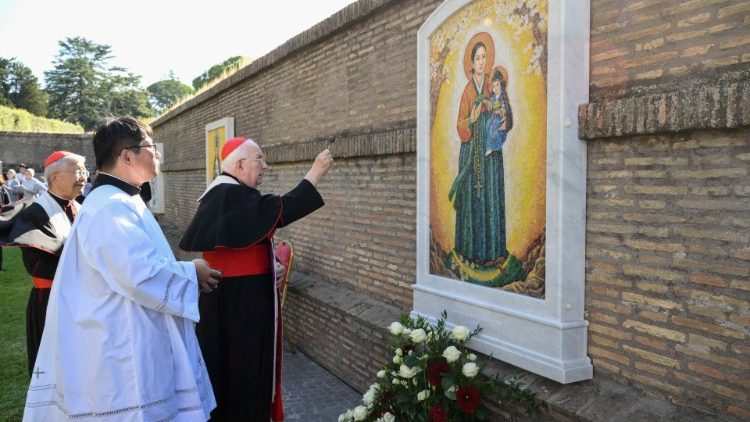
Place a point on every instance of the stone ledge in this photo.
(718, 102)
(599, 399)
(396, 139)
(391, 140)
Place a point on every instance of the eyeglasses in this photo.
(78, 173)
(151, 146)
(263, 160)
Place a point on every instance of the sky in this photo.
(150, 38)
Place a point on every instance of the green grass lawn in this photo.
(14, 378)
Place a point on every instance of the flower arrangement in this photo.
(433, 377)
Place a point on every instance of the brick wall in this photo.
(667, 231)
(667, 269)
(309, 89)
(34, 148)
(668, 191)
(640, 42)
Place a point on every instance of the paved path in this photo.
(311, 393)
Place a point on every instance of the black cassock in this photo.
(27, 225)
(239, 332)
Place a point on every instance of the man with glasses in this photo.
(123, 344)
(240, 328)
(41, 229)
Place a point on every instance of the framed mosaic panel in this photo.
(217, 132)
(502, 178)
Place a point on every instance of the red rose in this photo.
(468, 398)
(438, 413)
(435, 371)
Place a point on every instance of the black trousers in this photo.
(236, 334)
(36, 311)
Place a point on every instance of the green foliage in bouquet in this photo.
(433, 377)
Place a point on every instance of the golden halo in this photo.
(503, 71)
(486, 39)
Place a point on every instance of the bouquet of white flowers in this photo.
(434, 377)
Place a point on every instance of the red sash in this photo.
(41, 283)
(252, 260)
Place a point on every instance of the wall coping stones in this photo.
(319, 31)
(720, 101)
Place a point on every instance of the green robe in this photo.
(479, 188)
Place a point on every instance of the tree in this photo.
(19, 88)
(83, 89)
(217, 70)
(166, 93)
(125, 95)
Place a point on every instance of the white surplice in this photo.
(119, 341)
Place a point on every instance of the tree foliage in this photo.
(229, 65)
(166, 93)
(19, 88)
(83, 88)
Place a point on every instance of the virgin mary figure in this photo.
(478, 192)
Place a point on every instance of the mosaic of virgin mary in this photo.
(488, 158)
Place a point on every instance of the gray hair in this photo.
(11, 171)
(30, 170)
(230, 163)
(63, 163)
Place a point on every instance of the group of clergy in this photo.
(117, 328)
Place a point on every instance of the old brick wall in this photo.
(668, 239)
(667, 230)
(358, 83)
(641, 42)
(34, 148)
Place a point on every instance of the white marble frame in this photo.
(156, 204)
(545, 336)
(228, 123)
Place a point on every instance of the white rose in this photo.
(369, 397)
(470, 369)
(406, 372)
(388, 417)
(422, 395)
(396, 328)
(418, 335)
(381, 373)
(341, 418)
(471, 356)
(360, 413)
(406, 331)
(451, 354)
(460, 333)
(399, 352)
(398, 360)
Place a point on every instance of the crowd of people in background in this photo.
(25, 184)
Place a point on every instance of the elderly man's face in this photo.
(252, 167)
(68, 183)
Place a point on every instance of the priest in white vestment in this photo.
(119, 342)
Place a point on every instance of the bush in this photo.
(18, 120)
